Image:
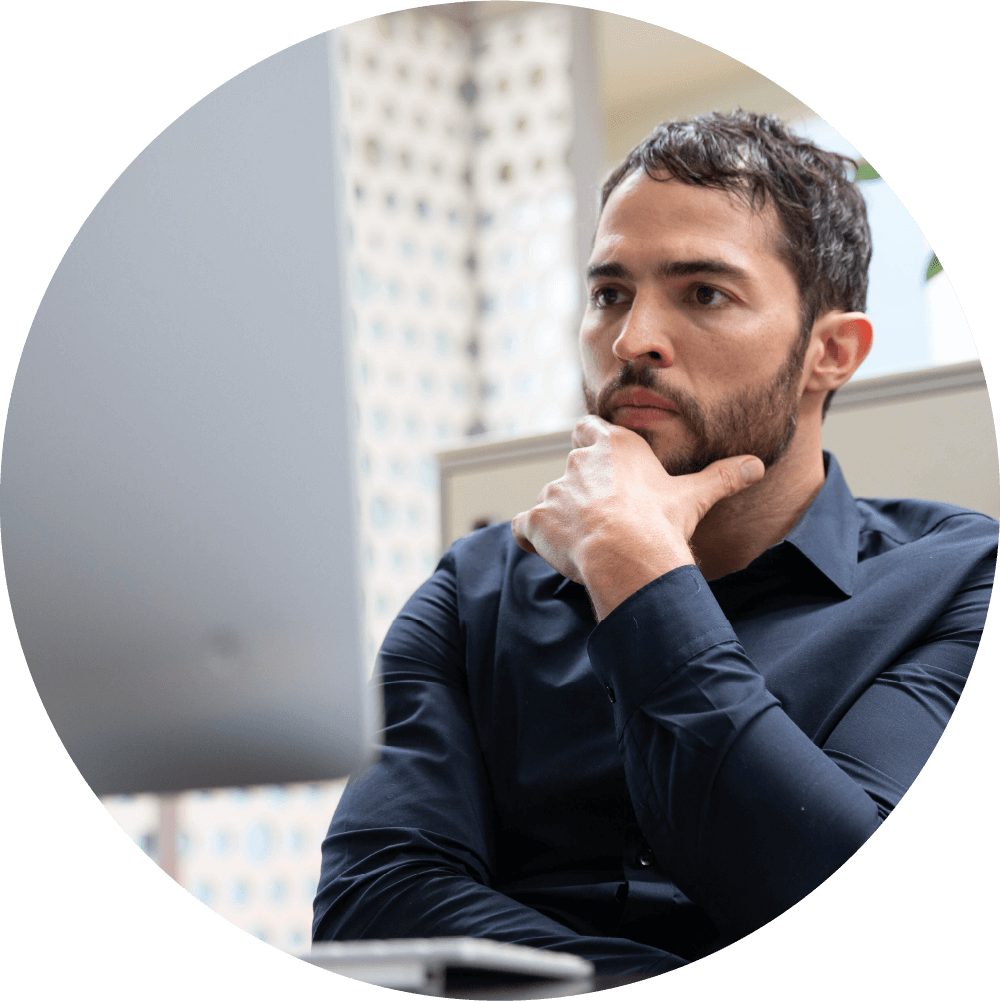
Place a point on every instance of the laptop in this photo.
(457, 967)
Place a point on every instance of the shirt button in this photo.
(611, 693)
(646, 857)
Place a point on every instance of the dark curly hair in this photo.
(826, 241)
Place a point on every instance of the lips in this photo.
(641, 398)
(640, 409)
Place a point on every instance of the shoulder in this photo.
(464, 595)
(962, 536)
(480, 562)
(492, 576)
(908, 520)
(430, 627)
(492, 545)
(488, 557)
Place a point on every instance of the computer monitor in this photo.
(177, 492)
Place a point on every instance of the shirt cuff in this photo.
(652, 633)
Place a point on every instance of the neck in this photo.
(738, 529)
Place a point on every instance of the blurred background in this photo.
(473, 140)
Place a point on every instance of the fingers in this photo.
(587, 431)
(751, 469)
(724, 479)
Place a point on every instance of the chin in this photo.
(684, 458)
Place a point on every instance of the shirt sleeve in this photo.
(410, 851)
(743, 809)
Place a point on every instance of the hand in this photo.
(617, 519)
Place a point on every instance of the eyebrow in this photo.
(671, 269)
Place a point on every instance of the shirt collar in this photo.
(826, 535)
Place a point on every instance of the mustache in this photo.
(643, 377)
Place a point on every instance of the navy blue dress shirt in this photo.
(643, 791)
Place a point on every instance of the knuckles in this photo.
(588, 430)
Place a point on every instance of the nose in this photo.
(645, 335)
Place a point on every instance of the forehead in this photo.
(646, 215)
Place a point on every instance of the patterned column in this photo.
(527, 282)
(463, 259)
(406, 87)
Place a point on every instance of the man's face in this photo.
(692, 332)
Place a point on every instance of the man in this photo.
(697, 675)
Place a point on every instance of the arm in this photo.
(410, 852)
(748, 813)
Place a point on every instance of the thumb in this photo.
(725, 478)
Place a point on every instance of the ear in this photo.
(840, 342)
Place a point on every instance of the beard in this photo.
(757, 421)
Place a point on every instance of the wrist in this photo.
(613, 573)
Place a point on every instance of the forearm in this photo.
(738, 804)
(751, 836)
(397, 894)
(410, 852)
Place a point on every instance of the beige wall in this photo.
(496, 492)
(646, 75)
(935, 448)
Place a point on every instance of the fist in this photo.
(617, 520)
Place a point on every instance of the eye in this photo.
(706, 295)
(605, 297)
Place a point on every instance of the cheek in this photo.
(592, 362)
(744, 355)
(595, 352)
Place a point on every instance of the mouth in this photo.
(640, 398)
(640, 408)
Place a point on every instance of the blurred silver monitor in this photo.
(177, 487)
